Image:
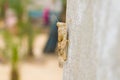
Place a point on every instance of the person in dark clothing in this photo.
(56, 10)
(52, 41)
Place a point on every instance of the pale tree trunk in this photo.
(81, 58)
(94, 34)
(107, 32)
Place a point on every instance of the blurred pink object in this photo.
(11, 18)
(46, 16)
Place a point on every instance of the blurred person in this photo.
(56, 10)
(11, 20)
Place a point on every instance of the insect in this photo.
(62, 45)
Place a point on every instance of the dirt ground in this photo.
(37, 69)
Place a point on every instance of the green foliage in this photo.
(14, 54)
(17, 6)
(64, 2)
(1, 8)
(11, 46)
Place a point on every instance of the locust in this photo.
(62, 46)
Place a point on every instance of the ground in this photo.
(40, 68)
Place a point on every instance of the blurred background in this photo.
(28, 39)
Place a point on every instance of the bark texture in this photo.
(81, 63)
(94, 34)
(107, 32)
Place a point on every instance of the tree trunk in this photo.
(107, 32)
(14, 73)
(81, 58)
(94, 35)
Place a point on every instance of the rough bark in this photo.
(107, 32)
(94, 34)
(81, 58)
